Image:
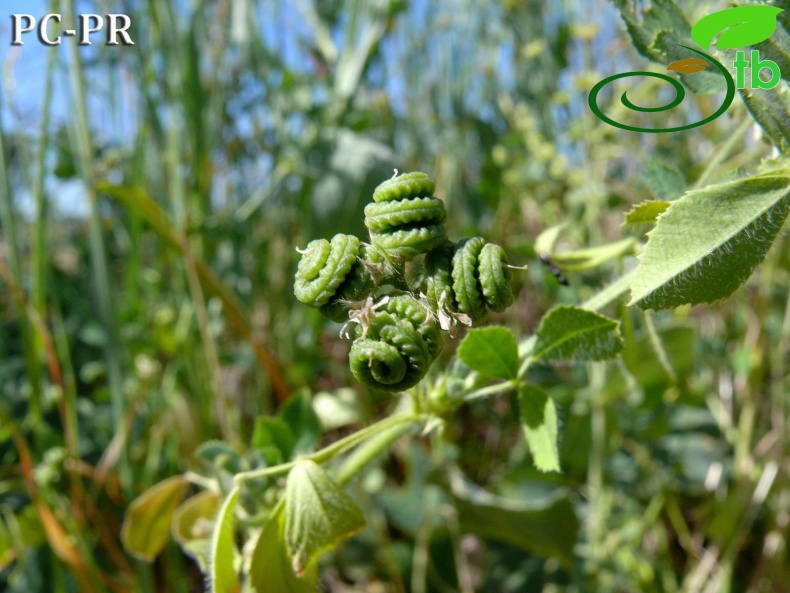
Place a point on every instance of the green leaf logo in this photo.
(739, 26)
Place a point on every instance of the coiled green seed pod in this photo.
(324, 267)
(481, 278)
(406, 307)
(438, 276)
(397, 346)
(405, 219)
(403, 186)
(472, 275)
(357, 286)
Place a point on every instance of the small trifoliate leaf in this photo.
(490, 351)
(709, 242)
(146, 526)
(571, 333)
(539, 421)
(318, 514)
(222, 572)
(646, 212)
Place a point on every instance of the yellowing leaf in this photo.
(146, 526)
(193, 524)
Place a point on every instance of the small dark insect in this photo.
(544, 257)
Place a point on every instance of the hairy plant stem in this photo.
(335, 448)
(723, 152)
(658, 347)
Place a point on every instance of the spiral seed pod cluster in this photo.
(400, 330)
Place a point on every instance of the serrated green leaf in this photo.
(646, 212)
(222, 572)
(571, 333)
(539, 421)
(777, 47)
(739, 26)
(193, 524)
(771, 110)
(491, 351)
(666, 183)
(318, 514)
(271, 569)
(709, 242)
(656, 33)
(146, 526)
(299, 415)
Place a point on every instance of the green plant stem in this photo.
(595, 477)
(209, 346)
(658, 347)
(610, 293)
(723, 152)
(502, 387)
(38, 292)
(368, 451)
(10, 246)
(335, 448)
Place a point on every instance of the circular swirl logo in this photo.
(731, 28)
(680, 95)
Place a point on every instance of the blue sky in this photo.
(22, 68)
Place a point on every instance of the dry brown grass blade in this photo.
(56, 535)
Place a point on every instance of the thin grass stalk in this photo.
(219, 397)
(85, 152)
(38, 284)
(10, 246)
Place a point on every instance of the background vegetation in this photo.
(152, 197)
